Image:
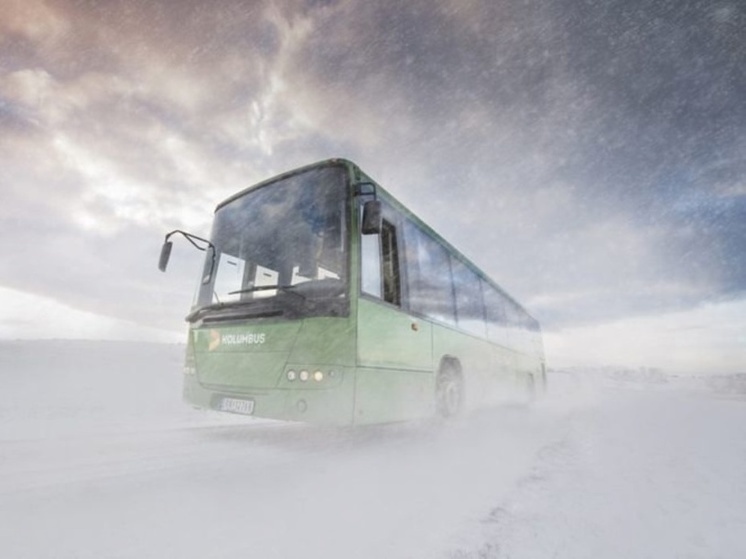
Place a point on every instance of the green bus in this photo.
(324, 300)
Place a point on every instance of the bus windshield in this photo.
(280, 247)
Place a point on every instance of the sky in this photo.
(588, 155)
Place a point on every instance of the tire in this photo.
(449, 392)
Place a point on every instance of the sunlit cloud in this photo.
(34, 20)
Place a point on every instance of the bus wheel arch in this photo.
(449, 387)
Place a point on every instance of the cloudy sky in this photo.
(589, 155)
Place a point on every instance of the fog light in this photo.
(301, 406)
(292, 375)
(318, 376)
(304, 376)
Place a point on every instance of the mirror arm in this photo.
(193, 239)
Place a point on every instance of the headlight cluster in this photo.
(304, 375)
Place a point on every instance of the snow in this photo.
(100, 458)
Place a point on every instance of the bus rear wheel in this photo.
(449, 393)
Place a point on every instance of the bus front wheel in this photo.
(449, 392)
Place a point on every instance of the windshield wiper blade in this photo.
(228, 305)
(196, 313)
(234, 306)
(285, 288)
(324, 287)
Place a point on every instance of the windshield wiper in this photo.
(197, 313)
(285, 288)
(325, 287)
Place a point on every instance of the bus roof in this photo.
(285, 175)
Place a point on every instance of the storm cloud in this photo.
(588, 155)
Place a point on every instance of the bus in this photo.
(325, 300)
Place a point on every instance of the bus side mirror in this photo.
(165, 255)
(372, 218)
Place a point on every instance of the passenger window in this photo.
(494, 303)
(469, 306)
(429, 276)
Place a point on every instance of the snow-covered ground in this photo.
(99, 458)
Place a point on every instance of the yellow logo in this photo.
(214, 340)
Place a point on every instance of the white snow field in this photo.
(99, 458)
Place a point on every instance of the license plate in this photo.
(234, 405)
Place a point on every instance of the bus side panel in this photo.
(386, 395)
(390, 338)
(395, 371)
(477, 358)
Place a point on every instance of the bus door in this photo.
(394, 356)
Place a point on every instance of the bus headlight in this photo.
(304, 375)
(318, 376)
(292, 375)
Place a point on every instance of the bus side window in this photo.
(430, 288)
(494, 306)
(390, 264)
(469, 303)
